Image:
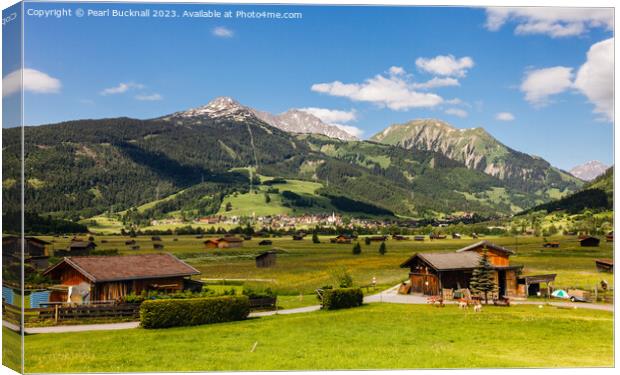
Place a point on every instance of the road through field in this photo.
(387, 296)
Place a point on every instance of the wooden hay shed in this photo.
(341, 239)
(266, 259)
(553, 244)
(604, 265)
(589, 241)
(530, 285)
(265, 243)
(158, 246)
(112, 277)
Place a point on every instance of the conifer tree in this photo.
(482, 277)
(357, 248)
(382, 248)
(315, 237)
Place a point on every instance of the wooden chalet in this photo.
(223, 243)
(399, 237)
(108, 278)
(342, 239)
(604, 264)
(589, 241)
(266, 259)
(36, 251)
(432, 272)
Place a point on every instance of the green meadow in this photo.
(303, 266)
(375, 336)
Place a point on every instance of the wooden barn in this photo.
(342, 239)
(399, 237)
(589, 241)
(266, 259)
(553, 244)
(530, 285)
(108, 278)
(223, 243)
(604, 264)
(432, 272)
(377, 238)
(36, 251)
(418, 238)
(265, 243)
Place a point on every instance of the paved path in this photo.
(387, 296)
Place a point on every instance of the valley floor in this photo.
(376, 336)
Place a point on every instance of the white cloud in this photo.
(457, 112)
(437, 82)
(595, 78)
(445, 65)
(538, 85)
(553, 21)
(330, 115)
(223, 32)
(396, 70)
(504, 116)
(454, 101)
(149, 97)
(395, 91)
(33, 81)
(121, 88)
(353, 130)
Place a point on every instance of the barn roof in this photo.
(488, 244)
(607, 261)
(446, 261)
(265, 254)
(588, 238)
(127, 267)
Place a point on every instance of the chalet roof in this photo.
(446, 261)
(264, 254)
(127, 267)
(488, 244)
(607, 261)
(29, 239)
(82, 244)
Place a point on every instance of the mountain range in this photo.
(589, 170)
(190, 162)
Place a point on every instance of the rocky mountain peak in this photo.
(589, 171)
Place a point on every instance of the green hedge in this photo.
(342, 298)
(191, 312)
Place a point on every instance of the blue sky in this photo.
(526, 77)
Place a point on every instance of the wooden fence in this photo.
(64, 312)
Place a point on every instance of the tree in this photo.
(367, 240)
(357, 248)
(267, 198)
(315, 237)
(228, 206)
(382, 248)
(482, 277)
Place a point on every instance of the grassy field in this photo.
(303, 266)
(11, 349)
(377, 336)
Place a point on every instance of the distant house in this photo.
(158, 246)
(398, 237)
(551, 244)
(223, 243)
(77, 248)
(605, 265)
(155, 238)
(112, 277)
(418, 238)
(36, 251)
(589, 241)
(265, 243)
(434, 236)
(341, 239)
(266, 259)
(430, 273)
(456, 236)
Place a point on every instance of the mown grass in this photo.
(377, 336)
(303, 266)
(11, 349)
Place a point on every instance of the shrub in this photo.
(342, 298)
(382, 248)
(255, 293)
(357, 249)
(191, 312)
